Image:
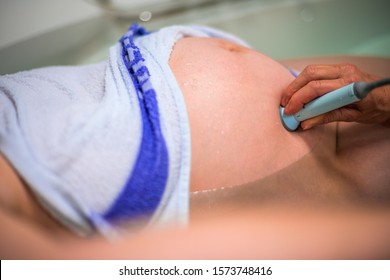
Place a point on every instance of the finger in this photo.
(310, 73)
(311, 91)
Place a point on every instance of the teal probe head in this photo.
(289, 121)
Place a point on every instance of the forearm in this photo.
(379, 66)
(270, 233)
(20, 239)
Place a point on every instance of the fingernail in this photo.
(287, 109)
(306, 126)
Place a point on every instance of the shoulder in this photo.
(16, 198)
(11, 187)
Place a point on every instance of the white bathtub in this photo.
(279, 28)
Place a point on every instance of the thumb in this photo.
(307, 124)
(342, 114)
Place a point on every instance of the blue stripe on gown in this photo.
(146, 184)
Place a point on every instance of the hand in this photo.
(316, 80)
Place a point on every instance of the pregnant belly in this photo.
(232, 96)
